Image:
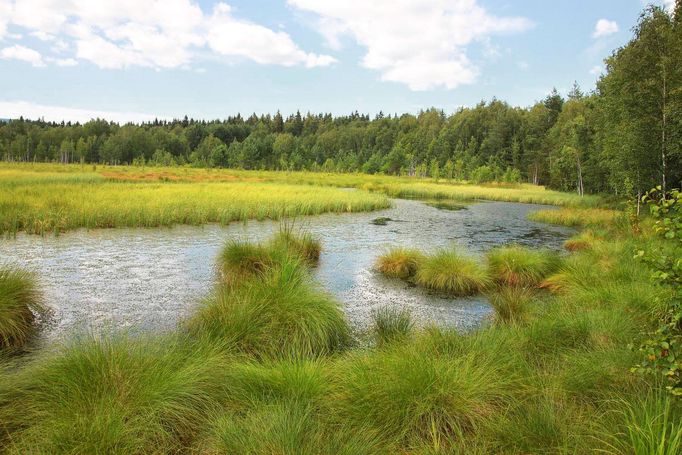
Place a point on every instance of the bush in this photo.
(20, 303)
(451, 273)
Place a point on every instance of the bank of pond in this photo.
(269, 361)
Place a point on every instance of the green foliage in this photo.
(449, 272)
(20, 303)
(511, 303)
(391, 325)
(517, 266)
(400, 263)
(663, 347)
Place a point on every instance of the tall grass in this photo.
(391, 325)
(400, 263)
(511, 303)
(587, 217)
(515, 265)
(111, 396)
(279, 312)
(20, 303)
(452, 273)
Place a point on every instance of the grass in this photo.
(578, 217)
(452, 273)
(511, 303)
(278, 312)
(400, 263)
(20, 303)
(391, 325)
(445, 204)
(302, 244)
(515, 265)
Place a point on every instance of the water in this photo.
(150, 279)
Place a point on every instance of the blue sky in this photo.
(134, 60)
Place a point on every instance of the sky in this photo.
(132, 60)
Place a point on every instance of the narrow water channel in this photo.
(150, 279)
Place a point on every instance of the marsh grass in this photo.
(278, 312)
(391, 325)
(298, 242)
(584, 217)
(452, 273)
(515, 265)
(21, 302)
(400, 263)
(111, 396)
(511, 303)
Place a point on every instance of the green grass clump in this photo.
(240, 260)
(279, 312)
(391, 325)
(115, 396)
(20, 303)
(410, 396)
(302, 244)
(515, 265)
(572, 216)
(400, 263)
(449, 272)
(511, 303)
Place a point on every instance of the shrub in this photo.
(517, 266)
(451, 273)
(20, 303)
(400, 263)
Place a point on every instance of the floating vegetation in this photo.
(381, 221)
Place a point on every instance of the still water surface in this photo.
(150, 279)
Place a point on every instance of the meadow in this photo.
(269, 365)
(48, 198)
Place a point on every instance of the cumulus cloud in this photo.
(420, 43)
(16, 109)
(604, 27)
(18, 52)
(156, 34)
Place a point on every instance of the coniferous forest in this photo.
(624, 137)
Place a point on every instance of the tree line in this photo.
(623, 137)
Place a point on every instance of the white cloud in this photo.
(231, 37)
(420, 43)
(604, 27)
(16, 109)
(25, 54)
(155, 33)
(65, 62)
(597, 70)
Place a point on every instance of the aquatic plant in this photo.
(573, 216)
(302, 244)
(391, 324)
(279, 312)
(20, 303)
(449, 272)
(511, 303)
(381, 221)
(400, 263)
(445, 204)
(515, 265)
(111, 396)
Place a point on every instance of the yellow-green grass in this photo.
(515, 265)
(302, 244)
(20, 303)
(589, 217)
(278, 312)
(391, 324)
(400, 263)
(44, 207)
(452, 273)
(511, 303)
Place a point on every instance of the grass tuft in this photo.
(20, 303)
(518, 266)
(511, 303)
(449, 272)
(392, 325)
(400, 263)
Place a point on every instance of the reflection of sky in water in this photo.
(152, 278)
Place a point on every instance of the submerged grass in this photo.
(452, 273)
(20, 303)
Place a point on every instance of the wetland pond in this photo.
(151, 279)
